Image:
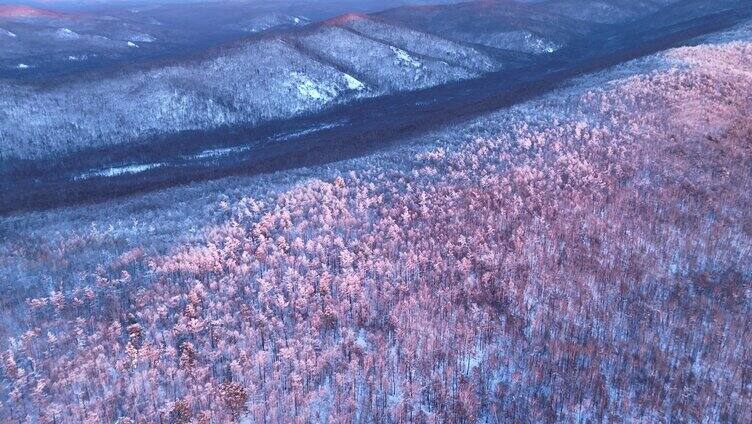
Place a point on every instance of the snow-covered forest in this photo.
(581, 257)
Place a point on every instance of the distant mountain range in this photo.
(39, 43)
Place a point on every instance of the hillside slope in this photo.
(272, 77)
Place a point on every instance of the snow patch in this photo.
(142, 38)
(288, 136)
(120, 170)
(472, 361)
(361, 341)
(66, 34)
(353, 83)
(215, 153)
(308, 88)
(132, 44)
(523, 41)
(404, 58)
(23, 66)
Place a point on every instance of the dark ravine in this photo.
(360, 127)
